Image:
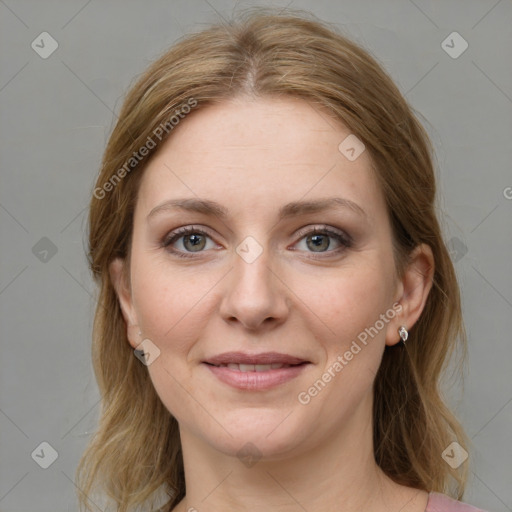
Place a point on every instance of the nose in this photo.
(255, 296)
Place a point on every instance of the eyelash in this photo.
(345, 240)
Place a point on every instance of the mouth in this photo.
(255, 367)
(262, 359)
(255, 372)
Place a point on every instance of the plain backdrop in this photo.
(56, 115)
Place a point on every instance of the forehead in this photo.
(259, 153)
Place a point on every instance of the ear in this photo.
(122, 288)
(413, 291)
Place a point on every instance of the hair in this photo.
(136, 451)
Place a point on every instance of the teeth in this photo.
(255, 367)
(262, 367)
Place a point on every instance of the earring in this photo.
(403, 335)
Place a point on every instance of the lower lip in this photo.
(256, 381)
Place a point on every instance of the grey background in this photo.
(56, 115)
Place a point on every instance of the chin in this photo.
(257, 433)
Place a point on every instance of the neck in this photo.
(340, 474)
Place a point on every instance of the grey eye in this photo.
(194, 242)
(318, 243)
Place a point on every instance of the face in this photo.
(262, 270)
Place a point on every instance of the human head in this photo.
(271, 57)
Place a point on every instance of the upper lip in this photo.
(263, 358)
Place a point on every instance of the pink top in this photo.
(438, 502)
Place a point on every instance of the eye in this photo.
(320, 240)
(188, 240)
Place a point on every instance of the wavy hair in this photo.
(135, 457)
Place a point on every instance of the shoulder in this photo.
(438, 502)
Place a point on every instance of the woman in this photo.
(264, 236)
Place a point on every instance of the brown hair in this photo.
(136, 451)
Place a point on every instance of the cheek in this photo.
(170, 304)
(172, 311)
(349, 300)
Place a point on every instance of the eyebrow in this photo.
(292, 209)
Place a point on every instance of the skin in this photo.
(292, 299)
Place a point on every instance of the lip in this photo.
(255, 380)
(247, 358)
